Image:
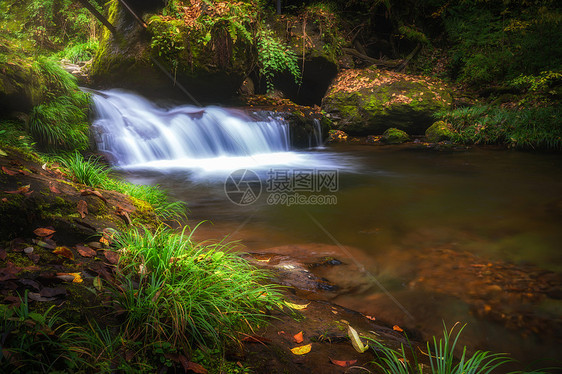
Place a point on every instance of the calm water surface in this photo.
(394, 203)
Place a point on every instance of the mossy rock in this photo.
(367, 101)
(439, 131)
(395, 136)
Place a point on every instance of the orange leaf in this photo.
(82, 208)
(85, 251)
(22, 190)
(74, 277)
(298, 338)
(112, 257)
(371, 318)
(397, 328)
(54, 189)
(343, 364)
(42, 232)
(8, 171)
(64, 252)
(302, 350)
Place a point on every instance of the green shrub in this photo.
(177, 291)
(526, 128)
(80, 52)
(275, 57)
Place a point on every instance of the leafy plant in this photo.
(275, 57)
(86, 171)
(80, 52)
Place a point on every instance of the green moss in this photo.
(395, 136)
(439, 131)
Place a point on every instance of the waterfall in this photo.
(132, 130)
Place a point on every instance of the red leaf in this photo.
(298, 338)
(64, 252)
(3, 254)
(85, 251)
(8, 171)
(42, 231)
(112, 257)
(82, 208)
(9, 272)
(34, 257)
(54, 189)
(343, 364)
(5, 200)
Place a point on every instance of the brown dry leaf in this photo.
(194, 367)
(8, 171)
(34, 257)
(123, 213)
(3, 254)
(9, 272)
(371, 318)
(82, 208)
(43, 231)
(54, 189)
(298, 338)
(5, 200)
(35, 296)
(112, 257)
(343, 364)
(397, 328)
(70, 277)
(22, 190)
(85, 251)
(93, 192)
(64, 252)
(53, 292)
(302, 350)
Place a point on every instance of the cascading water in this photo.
(135, 133)
(133, 130)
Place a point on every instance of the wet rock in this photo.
(395, 136)
(439, 131)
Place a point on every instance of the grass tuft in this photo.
(188, 294)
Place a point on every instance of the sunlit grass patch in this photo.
(175, 290)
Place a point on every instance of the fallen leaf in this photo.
(8, 171)
(397, 328)
(22, 190)
(302, 350)
(296, 306)
(3, 254)
(124, 214)
(371, 318)
(298, 338)
(34, 257)
(112, 257)
(256, 339)
(194, 367)
(35, 296)
(82, 208)
(280, 332)
(5, 200)
(2, 153)
(9, 272)
(54, 189)
(98, 284)
(343, 364)
(70, 277)
(30, 283)
(93, 192)
(53, 292)
(45, 244)
(356, 341)
(85, 251)
(64, 252)
(43, 232)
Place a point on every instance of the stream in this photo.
(446, 236)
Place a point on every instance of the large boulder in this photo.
(368, 101)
